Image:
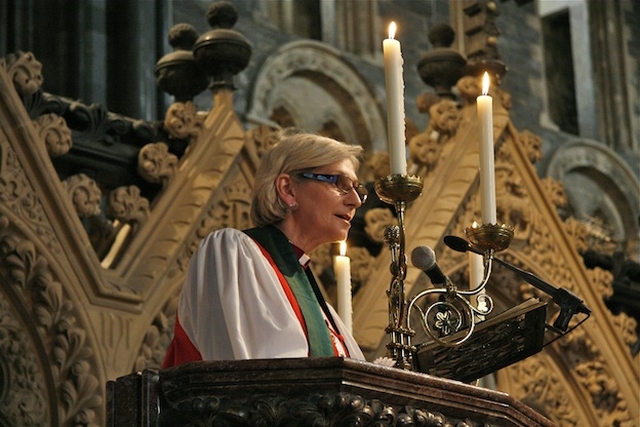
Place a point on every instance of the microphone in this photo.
(569, 303)
(424, 258)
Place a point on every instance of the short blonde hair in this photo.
(294, 152)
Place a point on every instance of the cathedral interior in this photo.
(129, 130)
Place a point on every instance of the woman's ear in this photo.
(285, 189)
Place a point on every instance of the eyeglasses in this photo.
(342, 182)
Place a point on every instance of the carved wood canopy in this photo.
(90, 268)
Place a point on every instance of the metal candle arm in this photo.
(452, 307)
(443, 319)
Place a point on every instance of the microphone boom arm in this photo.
(569, 303)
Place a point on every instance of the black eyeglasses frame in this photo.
(338, 180)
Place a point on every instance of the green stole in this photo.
(283, 254)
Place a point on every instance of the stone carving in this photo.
(55, 133)
(579, 231)
(16, 195)
(532, 142)
(157, 337)
(322, 259)
(534, 380)
(84, 194)
(127, 205)
(275, 86)
(156, 164)
(25, 404)
(264, 138)
(326, 409)
(555, 192)
(378, 163)
(76, 389)
(233, 210)
(182, 120)
(361, 266)
(469, 88)
(376, 221)
(538, 383)
(425, 148)
(25, 71)
(627, 326)
(593, 373)
(514, 207)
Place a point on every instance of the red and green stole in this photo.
(283, 254)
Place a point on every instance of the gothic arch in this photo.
(316, 86)
(598, 184)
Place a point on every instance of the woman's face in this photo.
(324, 212)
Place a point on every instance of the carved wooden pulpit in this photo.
(329, 391)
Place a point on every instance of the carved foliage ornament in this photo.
(17, 195)
(25, 71)
(55, 133)
(85, 195)
(340, 409)
(72, 363)
(22, 397)
(127, 205)
(182, 121)
(156, 164)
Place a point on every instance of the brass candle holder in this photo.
(398, 190)
(490, 237)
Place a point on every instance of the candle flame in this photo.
(485, 83)
(343, 248)
(392, 30)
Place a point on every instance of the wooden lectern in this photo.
(329, 391)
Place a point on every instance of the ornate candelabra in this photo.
(398, 190)
(451, 319)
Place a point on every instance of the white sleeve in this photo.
(232, 305)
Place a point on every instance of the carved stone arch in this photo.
(315, 85)
(598, 183)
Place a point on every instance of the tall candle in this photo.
(342, 271)
(395, 102)
(487, 168)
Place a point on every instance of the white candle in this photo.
(476, 274)
(395, 102)
(342, 271)
(487, 168)
(476, 270)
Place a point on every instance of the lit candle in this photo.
(487, 168)
(342, 271)
(395, 102)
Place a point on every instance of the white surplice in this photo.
(233, 306)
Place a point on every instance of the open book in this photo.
(496, 342)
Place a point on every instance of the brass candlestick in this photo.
(398, 190)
